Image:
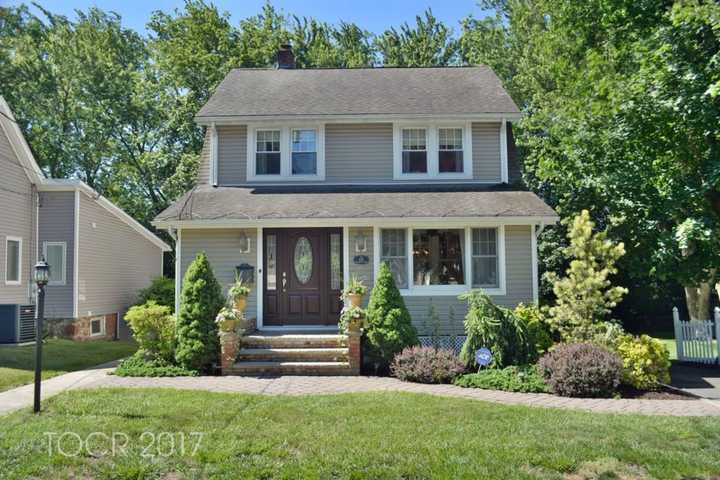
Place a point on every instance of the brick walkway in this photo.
(298, 385)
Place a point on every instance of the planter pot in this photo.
(240, 303)
(355, 299)
(228, 325)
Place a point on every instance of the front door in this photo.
(302, 278)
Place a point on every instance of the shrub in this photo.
(200, 301)
(389, 328)
(140, 366)
(525, 379)
(153, 329)
(646, 362)
(585, 295)
(426, 365)
(496, 328)
(160, 291)
(538, 330)
(581, 370)
(608, 335)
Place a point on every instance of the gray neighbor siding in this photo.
(223, 251)
(57, 224)
(16, 220)
(115, 261)
(354, 153)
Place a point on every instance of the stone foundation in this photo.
(81, 329)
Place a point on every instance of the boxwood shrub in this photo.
(525, 379)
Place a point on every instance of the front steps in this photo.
(292, 354)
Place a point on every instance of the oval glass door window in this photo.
(303, 260)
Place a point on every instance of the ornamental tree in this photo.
(585, 295)
(200, 301)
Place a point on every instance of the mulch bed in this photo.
(664, 393)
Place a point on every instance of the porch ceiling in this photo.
(208, 203)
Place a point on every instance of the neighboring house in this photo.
(99, 256)
(311, 176)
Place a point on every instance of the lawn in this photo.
(193, 434)
(59, 356)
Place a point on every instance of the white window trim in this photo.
(102, 326)
(8, 239)
(445, 290)
(432, 145)
(286, 153)
(64, 264)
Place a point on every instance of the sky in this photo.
(373, 15)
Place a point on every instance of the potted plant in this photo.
(239, 293)
(351, 318)
(355, 291)
(227, 320)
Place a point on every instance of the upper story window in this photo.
(441, 151)
(13, 260)
(286, 153)
(304, 152)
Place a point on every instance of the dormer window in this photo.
(282, 153)
(432, 151)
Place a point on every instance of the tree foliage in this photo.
(585, 295)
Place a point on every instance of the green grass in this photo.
(59, 356)
(372, 435)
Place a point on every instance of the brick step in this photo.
(289, 368)
(295, 354)
(294, 340)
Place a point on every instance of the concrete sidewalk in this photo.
(699, 380)
(22, 397)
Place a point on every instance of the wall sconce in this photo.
(244, 243)
(361, 243)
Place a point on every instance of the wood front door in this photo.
(302, 278)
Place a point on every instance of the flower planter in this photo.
(240, 303)
(228, 325)
(355, 299)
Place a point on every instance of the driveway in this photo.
(703, 381)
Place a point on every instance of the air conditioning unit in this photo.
(17, 323)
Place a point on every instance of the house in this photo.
(99, 256)
(311, 176)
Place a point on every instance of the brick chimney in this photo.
(285, 57)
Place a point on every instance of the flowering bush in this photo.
(646, 362)
(582, 370)
(426, 365)
(351, 315)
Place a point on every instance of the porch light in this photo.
(244, 243)
(41, 274)
(360, 243)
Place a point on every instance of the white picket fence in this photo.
(694, 339)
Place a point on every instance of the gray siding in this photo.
(17, 219)
(115, 261)
(232, 155)
(203, 175)
(57, 224)
(358, 152)
(486, 151)
(222, 249)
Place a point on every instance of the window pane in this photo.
(336, 273)
(271, 260)
(55, 257)
(414, 162)
(268, 140)
(485, 272)
(12, 272)
(303, 141)
(394, 253)
(438, 257)
(450, 139)
(267, 164)
(450, 161)
(304, 163)
(484, 241)
(413, 139)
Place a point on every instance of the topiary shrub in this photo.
(140, 366)
(389, 328)
(525, 379)
(646, 362)
(200, 301)
(538, 329)
(426, 365)
(153, 329)
(160, 291)
(581, 370)
(496, 328)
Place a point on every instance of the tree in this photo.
(389, 327)
(585, 295)
(428, 44)
(200, 301)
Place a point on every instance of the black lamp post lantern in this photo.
(41, 275)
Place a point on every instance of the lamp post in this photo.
(41, 276)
